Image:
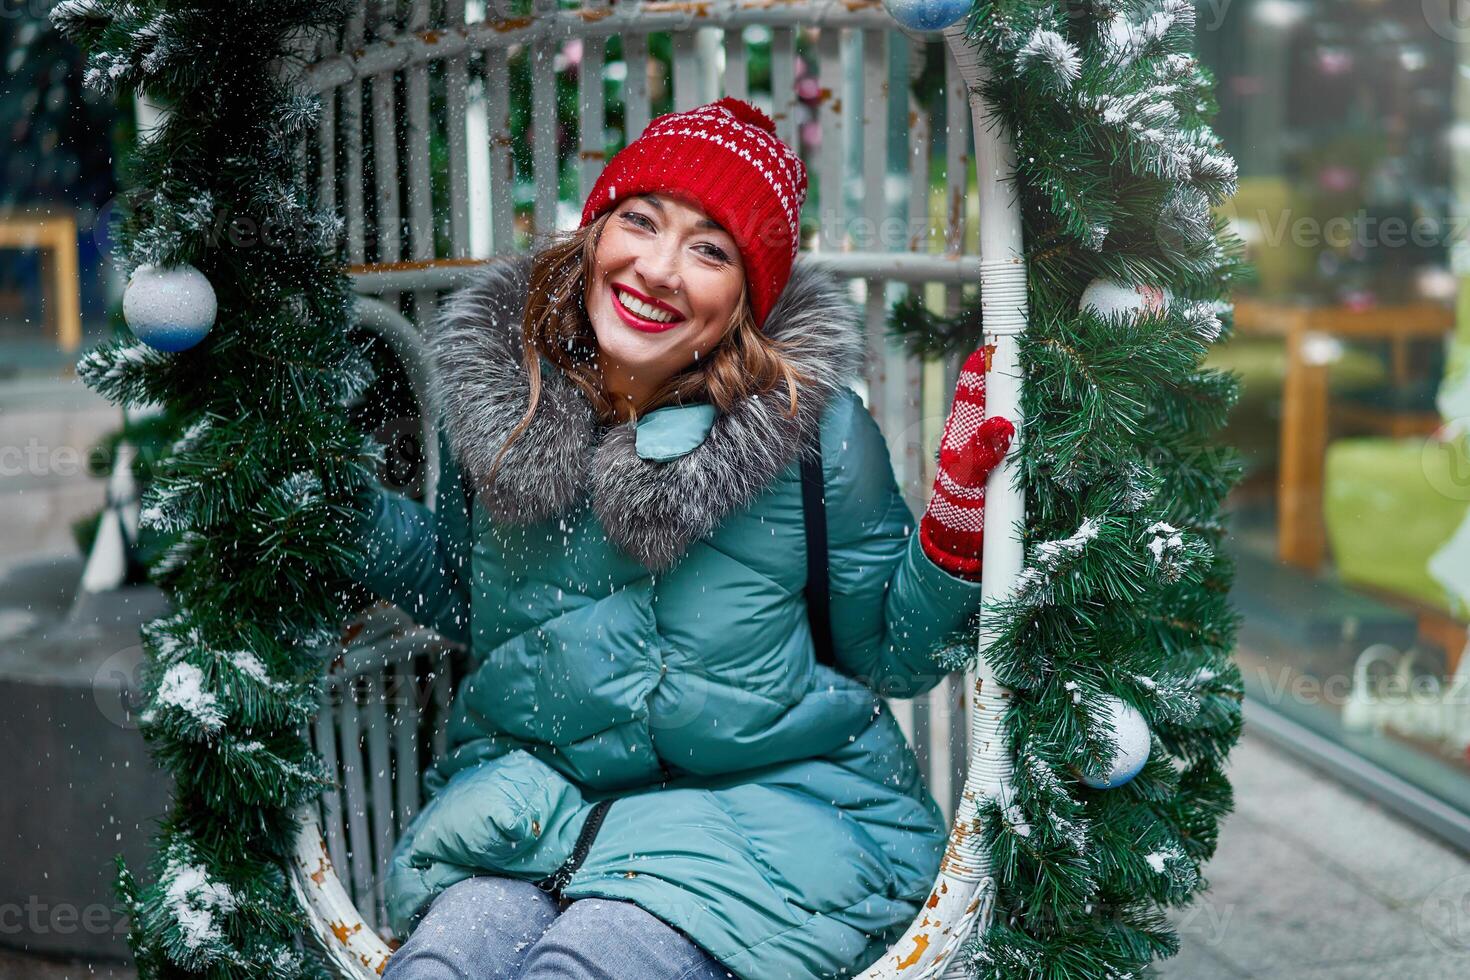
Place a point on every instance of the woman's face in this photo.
(664, 252)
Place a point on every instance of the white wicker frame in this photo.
(354, 827)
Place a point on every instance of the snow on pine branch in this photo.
(1048, 558)
(195, 900)
(1204, 318)
(178, 636)
(1125, 40)
(182, 687)
(1054, 53)
(121, 372)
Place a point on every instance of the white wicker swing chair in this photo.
(388, 84)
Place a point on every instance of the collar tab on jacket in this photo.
(672, 431)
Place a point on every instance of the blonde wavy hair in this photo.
(743, 363)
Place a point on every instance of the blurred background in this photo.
(1350, 120)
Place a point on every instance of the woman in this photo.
(649, 776)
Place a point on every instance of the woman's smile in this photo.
(642, 312)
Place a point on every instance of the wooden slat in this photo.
(456, 89)
(326, 141)
(942, 784)
(904, 375)
(543, 138)
(502, 172)
(324, 740)
(686, 71)
(355, 798)
(921, 139)
(440, 692)
(406, 733)
(592, 129)
(353, 203)
(380, 786)
(872, 119)
(636, 109)
(921, 741)
(707, 57)
(420, 190)
(387, 203)
(737, 69)
(830, 163)
(955, 688)
(956, 177)
(783, 86)
(416, 136)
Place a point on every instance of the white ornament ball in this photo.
(1108, 298)
(926, 15)
(169, 309)
(1130, 733)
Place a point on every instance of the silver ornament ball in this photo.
(1130, 733)
(169, 309)
(1107, 298)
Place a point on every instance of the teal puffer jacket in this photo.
(632, 598)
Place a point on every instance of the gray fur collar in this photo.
(651, 510)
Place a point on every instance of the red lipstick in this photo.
(637, 322)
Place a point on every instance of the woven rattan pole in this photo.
(353, 949)
(963, 893)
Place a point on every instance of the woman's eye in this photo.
(715, 252)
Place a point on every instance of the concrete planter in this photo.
(78, 784)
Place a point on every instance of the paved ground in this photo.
(1311, 882)
(48, 427)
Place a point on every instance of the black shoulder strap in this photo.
(814, 513)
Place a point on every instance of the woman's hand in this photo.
(952, 531)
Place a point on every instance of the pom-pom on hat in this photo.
(727, 157)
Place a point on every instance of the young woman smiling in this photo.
(649, 774)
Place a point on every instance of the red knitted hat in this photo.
(726, 156)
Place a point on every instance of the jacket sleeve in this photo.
(892, 607)
(419, 559)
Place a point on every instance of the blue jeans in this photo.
(489, 928)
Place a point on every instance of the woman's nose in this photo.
(659, 268)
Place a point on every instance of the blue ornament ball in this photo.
(927, 15)
(1130, 733)
(169, 309)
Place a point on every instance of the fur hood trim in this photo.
(652, 510)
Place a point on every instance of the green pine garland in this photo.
(257, 494)
(1124, 591)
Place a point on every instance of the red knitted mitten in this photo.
(952, 531)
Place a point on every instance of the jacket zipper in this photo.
(558, 880)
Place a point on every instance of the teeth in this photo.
(643, 309)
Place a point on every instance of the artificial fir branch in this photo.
(257, 492)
